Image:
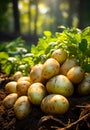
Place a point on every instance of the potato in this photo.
(24, 78)
(36, 93)
(60, 84)
(55, 104)
(22, 87)
(22, 107)
(10, 87)
(17, 75)
(36, 73)
(68, 64)
(51, 67)
(9, 100)
(84, 86)
(76, 74)
(60, 55)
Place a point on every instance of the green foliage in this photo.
(75, 41)
(14, 56)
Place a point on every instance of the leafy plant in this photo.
(14, 56)
(75, 41)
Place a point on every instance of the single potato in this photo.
(60, 55)
(84, 86)
(9, 100)
(76, 74)
(60, 84)
(36, 73)
(17, 75)
(24, 78)
(55, 104)
(10, 87)
(22, 107)
(50, 68)
(36, 93)
(22, 87)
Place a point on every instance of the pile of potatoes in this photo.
(49, 85)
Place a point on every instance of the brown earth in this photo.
(77, 118)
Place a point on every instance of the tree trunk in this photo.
(36, 17)
(29, 17)
(83, 13)
(69, 22)
(16, 17)
(80, 12)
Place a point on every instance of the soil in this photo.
(77, 118)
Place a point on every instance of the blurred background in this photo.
(29, 18)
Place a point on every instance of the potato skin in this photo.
(36, 93)
(36, 73)
(76, 74)
(17, 75)
(50, 68)
(10, 87)
(68, 64)
(22, 107)
(22, 87)
(9, 100)
(24, 78)
(60, 84)
(55, 104)
(60, 55)
(84, 86)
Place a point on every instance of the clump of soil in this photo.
(77, 118)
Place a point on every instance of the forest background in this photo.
(30, 18)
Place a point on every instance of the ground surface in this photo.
(77, 118)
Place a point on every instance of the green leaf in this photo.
(72, 50)
(87, 67)
(18, 42)
(33, 49)
(47, 33)
(7, 68)
(88, 52)
(3, 46)
(83, 45)
(50, 46)
(86, 32)
(4, 55)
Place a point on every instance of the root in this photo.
(69, 126)
(57, 124)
